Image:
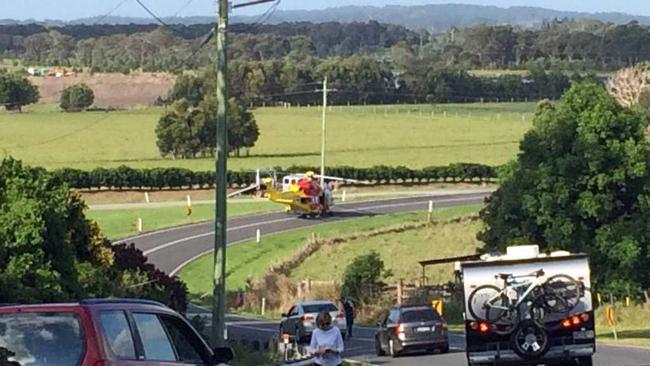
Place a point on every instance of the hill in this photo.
(436, 17)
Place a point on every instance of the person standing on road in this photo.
(348, 309)
(326, 342)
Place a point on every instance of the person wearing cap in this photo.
(326, 342)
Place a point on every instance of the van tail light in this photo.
(481, 327)
(307, 318)
(575, 320)
(340, 316)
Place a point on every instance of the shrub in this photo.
(76, 98)
(362, 279)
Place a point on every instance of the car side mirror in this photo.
(284, 315)
(380, 323)
(223, 355)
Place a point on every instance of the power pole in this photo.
(322, 145)
(219, 281)
(219, 278)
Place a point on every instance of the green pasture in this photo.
(363, 136)
(252, 260)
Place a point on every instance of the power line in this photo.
(110, 12)
(63, 136)
(151, 13)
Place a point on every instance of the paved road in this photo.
(172, 248)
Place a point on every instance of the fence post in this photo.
(430, 213)
(263, 306)
(400, 291)
(146, 197)
(139, 225)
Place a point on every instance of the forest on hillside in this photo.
(368, 62)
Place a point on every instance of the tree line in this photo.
(564, 44)
(125, 177)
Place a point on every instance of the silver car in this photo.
(300, 320)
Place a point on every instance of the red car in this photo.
(110, 332)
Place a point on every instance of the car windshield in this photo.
(419, 315)
(40, 339)
(317, 308)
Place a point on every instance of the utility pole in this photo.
(322, 144)
(219, 281)
(219, 278)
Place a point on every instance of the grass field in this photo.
(252, 260)
(117, 224)
(412, 135)
(399, 251)
(633, 325)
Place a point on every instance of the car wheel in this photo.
(378, 349)
(391, 348)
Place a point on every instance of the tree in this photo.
(581, 183)
(362, 279)
(188, 87)
(49, 250)
(179, 132)
(17, 91)
(186, 132)
(76, 98)
(630, 86)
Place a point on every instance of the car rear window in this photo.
(419, 315)
(317, 308)
(41, 339)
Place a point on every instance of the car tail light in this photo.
(307, 318)
(399, 329)
(340, 316)
(566, 323)
(584, 317)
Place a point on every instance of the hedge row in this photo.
(177, 178)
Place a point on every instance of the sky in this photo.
(75, 9)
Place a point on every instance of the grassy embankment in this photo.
(252, 260)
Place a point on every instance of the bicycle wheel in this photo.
(479, 298)
(562, 287)
(547, 308)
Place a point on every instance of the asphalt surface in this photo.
(171, 249)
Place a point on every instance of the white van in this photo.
(527, 308)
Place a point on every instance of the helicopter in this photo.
(300, 194)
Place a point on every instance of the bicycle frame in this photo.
(537, 282)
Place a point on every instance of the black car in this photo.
(411, 327)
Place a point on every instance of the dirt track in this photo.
(111, 90)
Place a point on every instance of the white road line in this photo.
(177, 269)
(172, 243)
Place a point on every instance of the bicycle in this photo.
(533, 299)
